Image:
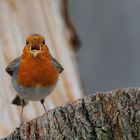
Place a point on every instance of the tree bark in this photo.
(113, 115)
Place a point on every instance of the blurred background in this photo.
(110, 35)
(108, 58)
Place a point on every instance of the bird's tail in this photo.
(18, 101)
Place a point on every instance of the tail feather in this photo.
(17, 101)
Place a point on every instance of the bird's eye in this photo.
(27, 42)
(43, 42)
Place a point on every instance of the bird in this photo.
(35, 73)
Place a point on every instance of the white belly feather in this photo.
(34, 93)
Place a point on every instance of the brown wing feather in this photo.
(58, 65)
(19, 102)
(9, 69)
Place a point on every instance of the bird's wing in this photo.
(10, 68)
(57, 64)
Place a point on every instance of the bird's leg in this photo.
(22, 106)
(42, 102)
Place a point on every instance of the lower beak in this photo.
(35, 52)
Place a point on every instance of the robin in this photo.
(35, 73)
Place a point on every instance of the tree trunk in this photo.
(113, 115)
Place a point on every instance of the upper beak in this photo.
(35, 47)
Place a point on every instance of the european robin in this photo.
(35, 73)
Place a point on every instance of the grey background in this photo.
(110, 33)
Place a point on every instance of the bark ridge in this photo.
(113, 115)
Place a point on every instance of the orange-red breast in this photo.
(35, 73)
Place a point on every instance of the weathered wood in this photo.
(19, 18)
(114, 115)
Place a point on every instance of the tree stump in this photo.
(114, 115)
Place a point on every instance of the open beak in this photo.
(35, 49)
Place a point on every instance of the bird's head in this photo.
(35, 45)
